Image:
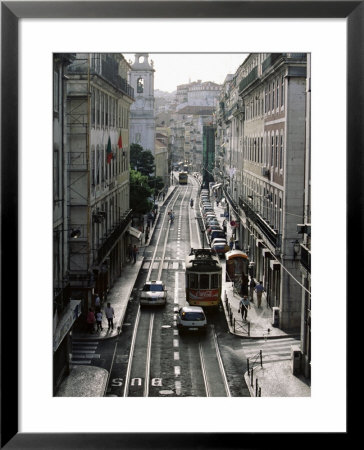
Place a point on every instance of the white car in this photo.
(191, 318)
(153, 293)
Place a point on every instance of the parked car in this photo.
(191, 318)
(217, 234)
(213, 227)
(211, 218)
(220, 246)
(153, 293)
(209, 215)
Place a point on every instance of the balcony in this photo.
(245, 82)
(114, 236)
(108, 71)
(273, 57)
(270, 60)
(232, 202)
(272, 236)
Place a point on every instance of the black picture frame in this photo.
(11, 12)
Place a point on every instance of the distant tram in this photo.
(237, 264)
(203, 278)
(182, 177)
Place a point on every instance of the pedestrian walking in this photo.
(99, 321)
(217, 202)
(164, 195)
(97, 303)
(244, 305)
(135, 252)
(252, 285)
(153, 218)
(231, 243)
(224, 226)
(259, 288)
(90, 320)
(109, 313)
(146, 237)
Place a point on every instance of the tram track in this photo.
(141, 349)
(191, 365)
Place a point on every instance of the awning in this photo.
(70, 315)
(215, 186)
(134, 232)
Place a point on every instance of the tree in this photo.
(141, 160)
(156, 184)
(140, 192)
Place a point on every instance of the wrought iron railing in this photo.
(107, 69)
(272, 236)
(270, 60)
(245, 82)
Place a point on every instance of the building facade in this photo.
(304, 230)
(261, 146)
(65, 309)
(163, 154)
(142, 120)
(98, 107)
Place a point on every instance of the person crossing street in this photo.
(244, 305)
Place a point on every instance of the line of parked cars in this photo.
(215, 233)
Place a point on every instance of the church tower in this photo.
(142, 121)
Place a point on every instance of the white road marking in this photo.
(177, 371)
(176, 356)
(175, 343)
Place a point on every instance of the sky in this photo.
(173, 69)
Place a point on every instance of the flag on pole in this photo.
(120, 141)
(109, 154)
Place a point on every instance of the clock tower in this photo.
(142, 121)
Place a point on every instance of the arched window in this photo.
(140, 85)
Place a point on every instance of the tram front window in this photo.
(214, 281)
(193, 281)
(204, 281)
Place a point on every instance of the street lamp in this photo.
(75, 233)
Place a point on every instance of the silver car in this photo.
(153, 293)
